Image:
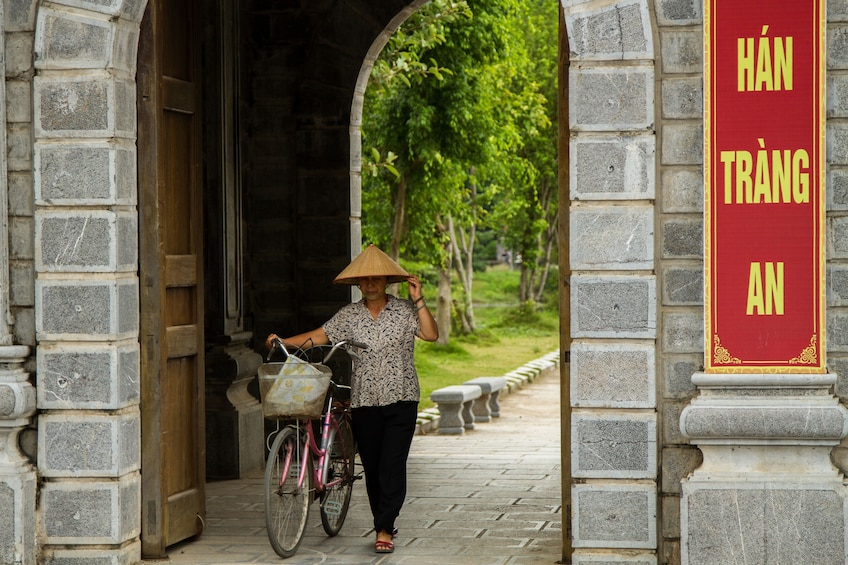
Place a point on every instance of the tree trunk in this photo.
(443, 311)
(400, 217)
(525, 286)
(549, 235)
(546, 266)
(462, 248)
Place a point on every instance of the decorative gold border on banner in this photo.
(808, 356)
(813, 358)
(708, 237)
(821, 337)
(721, 354)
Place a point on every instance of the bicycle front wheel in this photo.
(335, 499)
(286, 503)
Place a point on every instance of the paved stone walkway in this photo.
(489, 497)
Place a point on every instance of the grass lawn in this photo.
(507, 337)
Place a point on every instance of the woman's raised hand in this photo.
(414, 287)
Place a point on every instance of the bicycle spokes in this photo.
(287, 493)
(335, 499)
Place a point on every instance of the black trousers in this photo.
(384, 436)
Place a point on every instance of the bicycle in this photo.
(298, 467)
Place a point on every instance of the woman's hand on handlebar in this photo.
(269, 341)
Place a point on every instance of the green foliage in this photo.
(526, 319)
(428, 274)
(463, 95)
(402, 60)
(498, 285)
(487, 246)
(510, 335)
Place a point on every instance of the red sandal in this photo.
(381, 546)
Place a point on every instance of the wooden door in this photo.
(169, 156)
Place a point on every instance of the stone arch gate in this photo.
(287, 131)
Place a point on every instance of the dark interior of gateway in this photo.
(279, 92)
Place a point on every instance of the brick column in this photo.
(767, 491)
(86, 288)
(612, 178)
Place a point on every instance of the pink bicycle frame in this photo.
(310, 446)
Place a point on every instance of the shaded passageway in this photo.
(490, 497)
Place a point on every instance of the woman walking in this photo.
(384, 388)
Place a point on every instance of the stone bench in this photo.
(487, 406)
(455, 402)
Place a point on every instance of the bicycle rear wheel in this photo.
(335, 500)
(286, 503)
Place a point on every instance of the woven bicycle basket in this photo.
(293, 388)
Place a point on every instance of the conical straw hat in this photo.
(372, 263)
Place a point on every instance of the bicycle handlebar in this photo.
(342, 344)
(276, 342)
(337, 386)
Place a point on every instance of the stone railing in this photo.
(429, 419)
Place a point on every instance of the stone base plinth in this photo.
(235, 428)
(767, 491)
(770, 521)
(17, 520)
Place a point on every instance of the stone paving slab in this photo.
(491, 496)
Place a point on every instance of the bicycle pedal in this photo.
(332, 508)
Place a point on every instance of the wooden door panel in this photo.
(178, 448)
(182, 341)
(173, 470)
(181, 466)
(181, 308)
(178, 95)
(183, 513)
(181, 59)
(180, 270)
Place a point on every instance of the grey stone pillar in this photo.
(86, 282)
(613, 284)
(17, 475)
(767, 491)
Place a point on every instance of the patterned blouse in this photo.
(386, 371)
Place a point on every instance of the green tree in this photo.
(445, 140)
(528, 208)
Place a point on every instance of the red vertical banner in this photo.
(764, 177)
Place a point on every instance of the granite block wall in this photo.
(636, 213)
(613, 375)
(837, 204)
(76, 247)
(612, 247)
(680, 220)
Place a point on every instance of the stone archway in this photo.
(356, 122)
(85, 304)
(612, 180)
